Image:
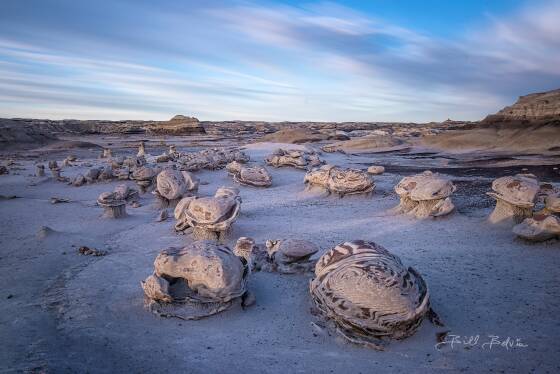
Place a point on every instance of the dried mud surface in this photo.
(65, 312)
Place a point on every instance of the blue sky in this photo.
(375, 60)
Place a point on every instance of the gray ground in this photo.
(63, 312)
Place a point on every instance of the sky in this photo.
(376, 60)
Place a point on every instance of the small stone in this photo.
(86, 251)
(376, 170)
(57, 200)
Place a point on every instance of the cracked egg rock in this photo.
(368, 293)
(210, 217)
(340, 181)
(196, 281)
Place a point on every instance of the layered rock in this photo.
(536, 106)
(178, 125)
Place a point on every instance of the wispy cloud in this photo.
(270, 61)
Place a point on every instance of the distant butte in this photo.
(178, 125)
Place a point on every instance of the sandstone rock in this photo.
(196, 281)
(376, 170)
(210, 217)
(536, 106)
(369, 294)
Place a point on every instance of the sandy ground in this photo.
(63, 312)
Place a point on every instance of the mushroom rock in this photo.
(197, 281)
(114, 206)
(515, 198)
(124, 192)
(40, 170)
(538, 228)
(172, 185)
(210, 217)
(425, 195)
(376, 170)
(141, 150)
(172, 152)
(55, 169)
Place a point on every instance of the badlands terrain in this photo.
(64, 308)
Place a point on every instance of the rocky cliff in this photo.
(531, 125)
(537, 106)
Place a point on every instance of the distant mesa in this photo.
(533, 107)
(178, 125)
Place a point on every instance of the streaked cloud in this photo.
(265, 61)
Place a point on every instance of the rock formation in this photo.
(536, 106)
(425, 195)
(515, 198)
(369, 294)
(340, 181)
(178, 125)
(199, 280)
(210, 217)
